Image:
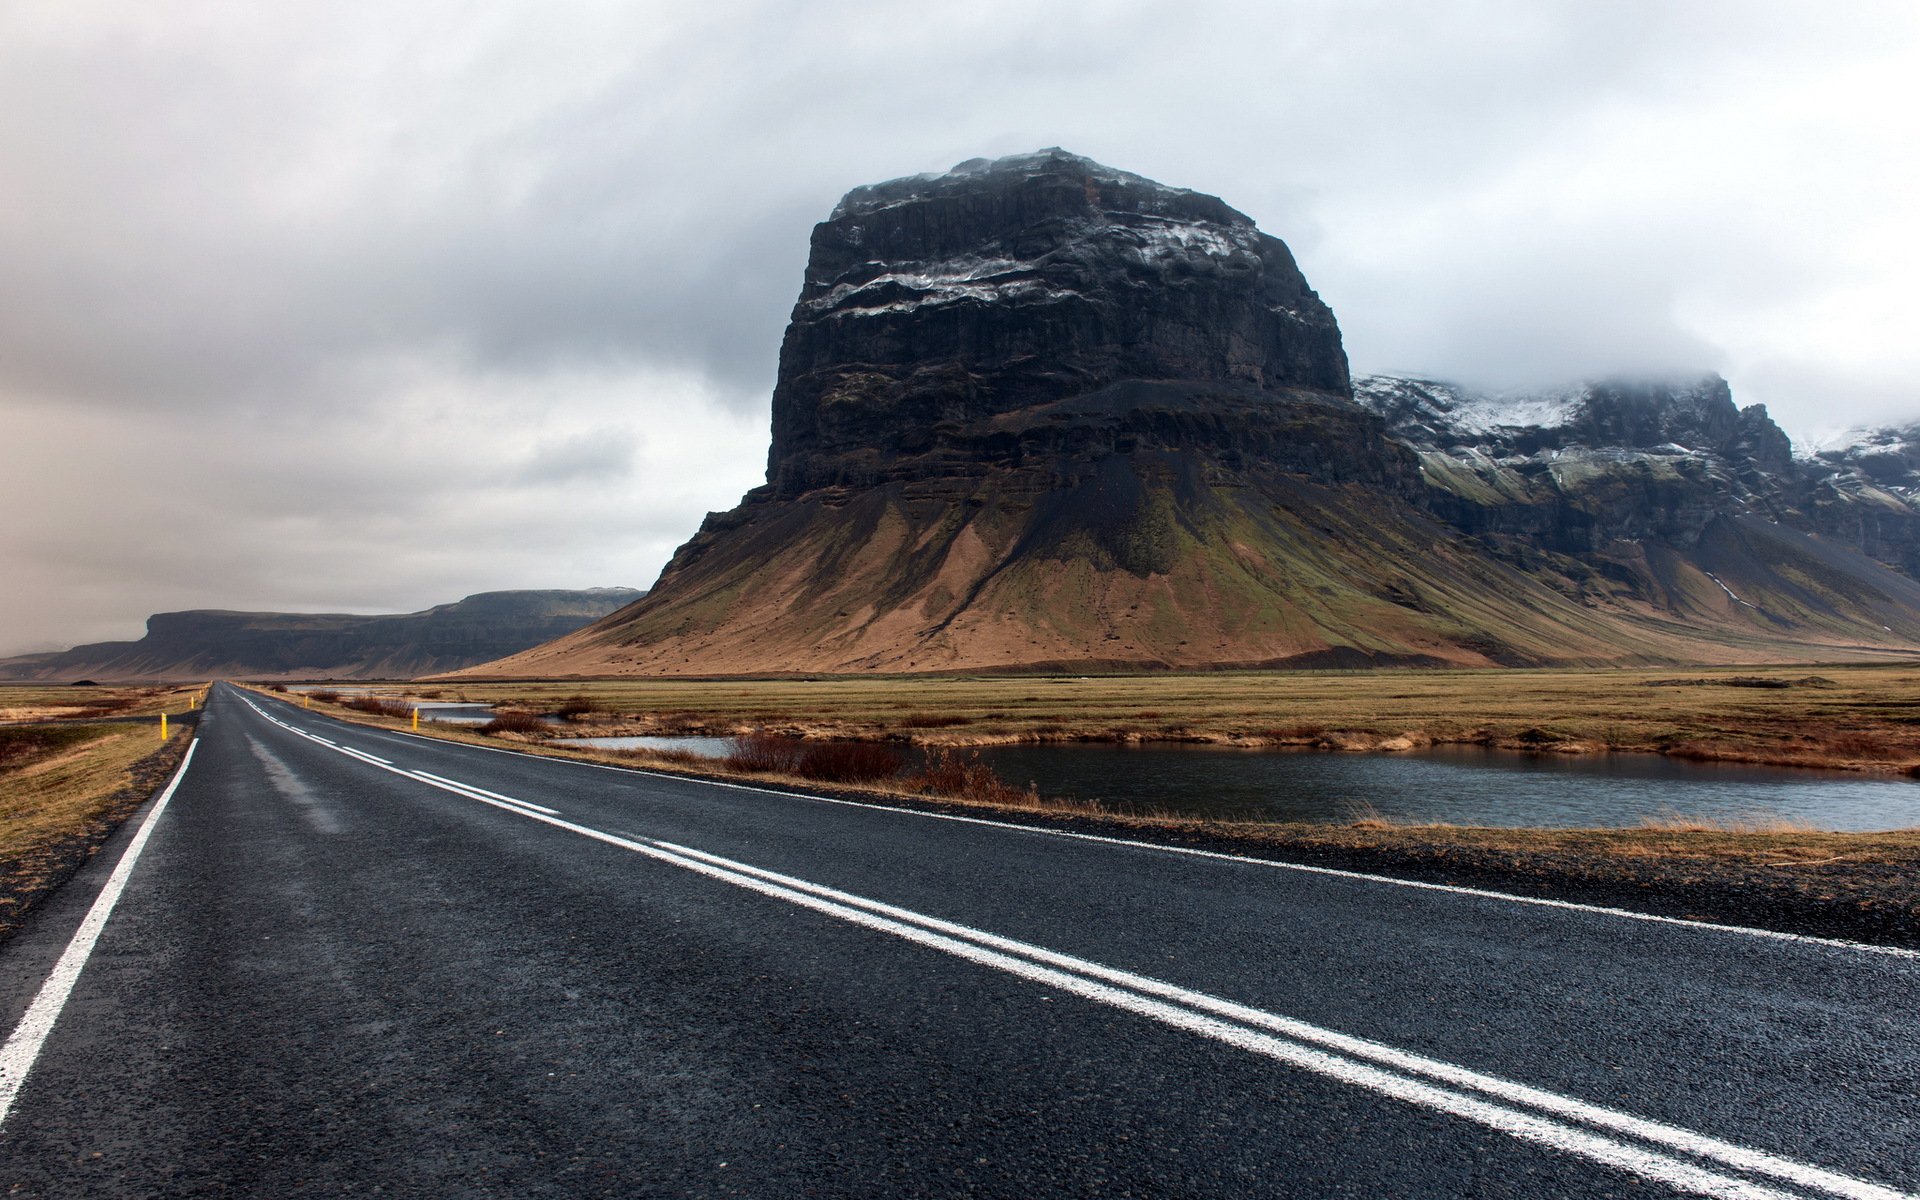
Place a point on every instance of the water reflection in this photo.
(1463, 785)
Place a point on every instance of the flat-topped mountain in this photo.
(1038, 412)
(204, 644)
(936, 307)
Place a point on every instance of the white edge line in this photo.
(1245, 860)
(23, 1046)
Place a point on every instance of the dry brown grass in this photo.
(56, 794)
(1844, 717)
(64, 702)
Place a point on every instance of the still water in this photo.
(1461, 785)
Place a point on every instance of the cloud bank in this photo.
(366, 307)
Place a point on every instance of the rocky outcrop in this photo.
(937, 306)
(1039, 413)
(1863, 489)
(204, 644)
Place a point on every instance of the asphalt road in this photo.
(352, 962)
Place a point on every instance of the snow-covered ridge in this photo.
(1467, 411)
(1152, 240)
(1856, 441)
(876, 196)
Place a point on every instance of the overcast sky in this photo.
(366, 306)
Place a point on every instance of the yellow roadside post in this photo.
(163, 727)
(416, 719)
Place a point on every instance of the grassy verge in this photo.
(63, 790)
(64, 702)
(1856, 718)
(1860, 886)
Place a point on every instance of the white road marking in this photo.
(23, 1046)
(1528, 1113)
(431, 780)
(1685, 1140)
(480, 793)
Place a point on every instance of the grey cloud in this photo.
(366, 298)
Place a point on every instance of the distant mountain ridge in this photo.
(207, 643)
(1577, 467)
(1037, 413)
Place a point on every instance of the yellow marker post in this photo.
(416, 720)
(163, 727)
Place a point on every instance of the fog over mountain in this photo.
(354, 307)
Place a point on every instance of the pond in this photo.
(1460, 785)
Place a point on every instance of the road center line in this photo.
(23, 1046)
(1685, 1140)
(1086, 980)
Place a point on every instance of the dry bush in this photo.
(848, 762)
(924, 720)
(514, 722)
(678, 758)
(762, 754)
(324, 697)
(1294, 732)
(277, 687)
(378, 706)
(576, 706)
(950, 773)
(1856, 744)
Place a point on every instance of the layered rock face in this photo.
(1038, 413)
(200, 644)
(937, 306)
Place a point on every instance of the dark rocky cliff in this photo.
(935, 305)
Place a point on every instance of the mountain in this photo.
(1038, 412)
(206, 644)
(1666, 497)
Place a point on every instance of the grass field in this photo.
(1844, 717)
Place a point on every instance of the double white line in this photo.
(1672, 1155)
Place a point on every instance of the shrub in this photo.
(922, 720)
(763, 754)
(576, 706)
(324, 697)
(277, 687)
(677, 758)
(848, 762)
(379, 706)
(514, 722)
(948, 773)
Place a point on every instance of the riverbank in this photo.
(1859, 886)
